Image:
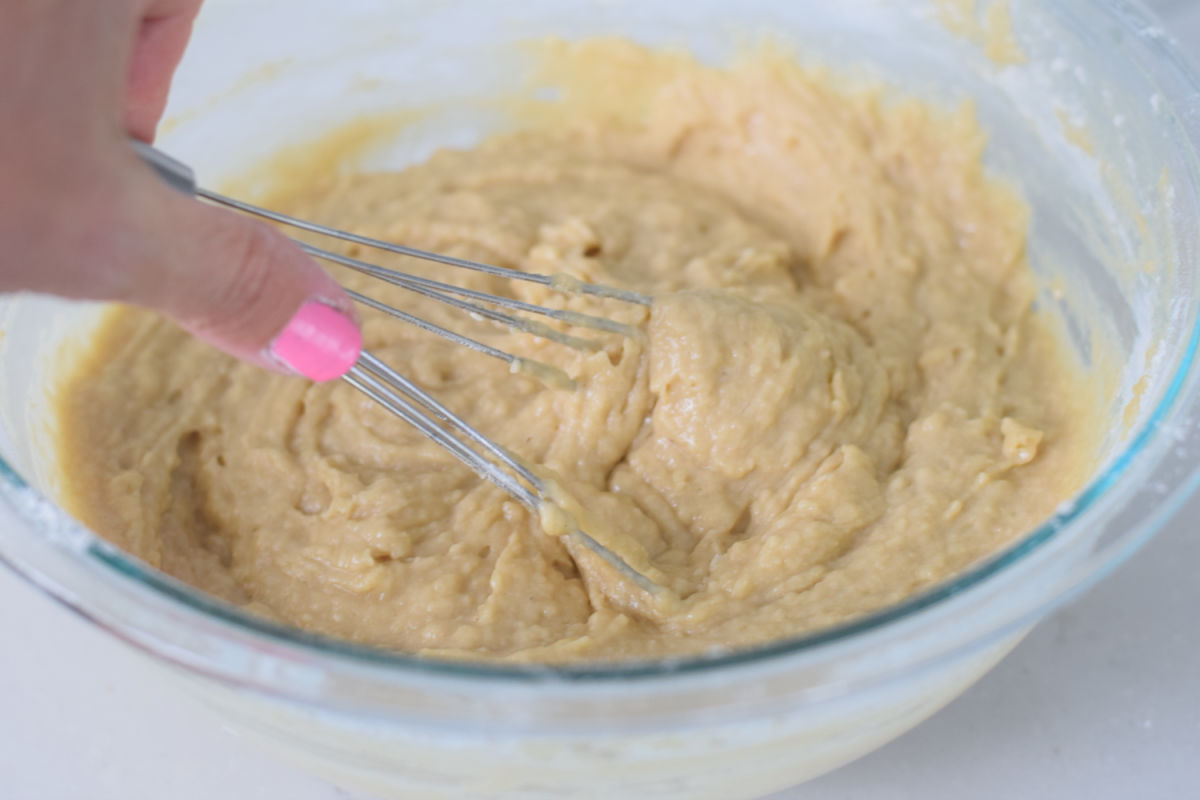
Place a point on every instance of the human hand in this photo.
(82, 217)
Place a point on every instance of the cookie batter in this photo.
(842, 395)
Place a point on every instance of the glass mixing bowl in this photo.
(1094, 128)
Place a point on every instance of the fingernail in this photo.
(319, 342)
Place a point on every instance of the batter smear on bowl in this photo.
(843, 394)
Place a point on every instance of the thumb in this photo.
(242, 286)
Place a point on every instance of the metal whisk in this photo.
(414, 405)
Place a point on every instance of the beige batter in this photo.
(842, 395)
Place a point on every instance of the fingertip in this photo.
(247, 289)
(319, 342)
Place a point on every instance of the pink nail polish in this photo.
(319, 342)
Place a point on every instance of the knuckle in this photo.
(250, 255)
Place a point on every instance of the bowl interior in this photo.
(1091, 139)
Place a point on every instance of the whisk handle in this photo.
(176, 174)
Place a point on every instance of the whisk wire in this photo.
(401, 396)
(425, 289)
(437, 290)
(551, 281)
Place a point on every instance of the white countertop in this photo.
(1101, 701)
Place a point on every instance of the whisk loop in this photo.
(399, 395)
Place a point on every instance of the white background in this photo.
(1101, 701)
